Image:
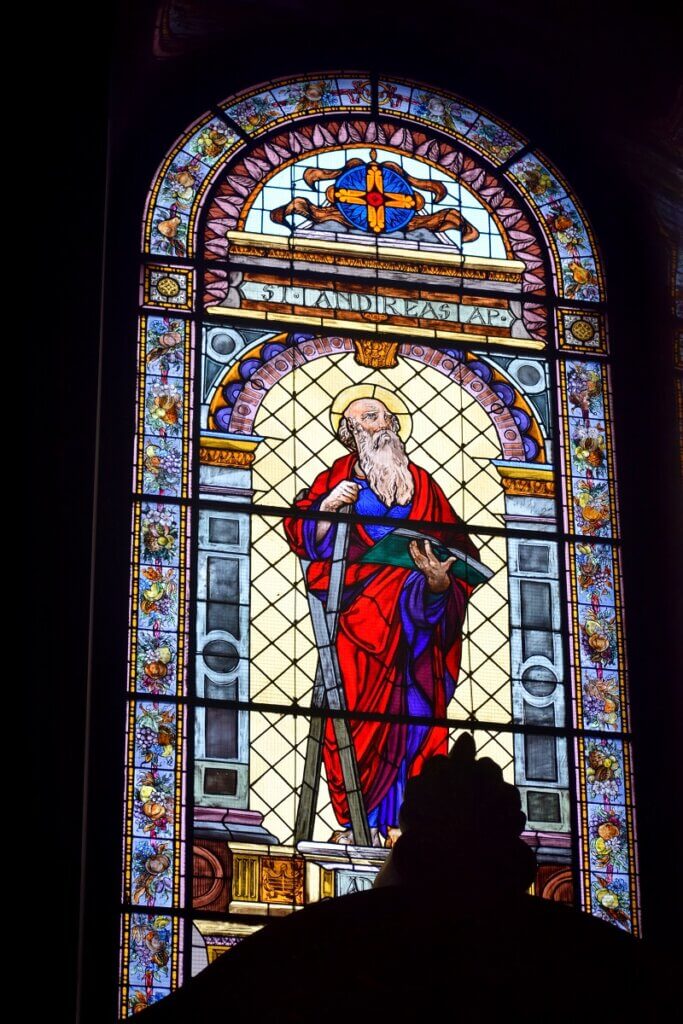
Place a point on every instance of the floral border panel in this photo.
(164, 428)
(152, 872)
(180, 181)
(155, 788)
(154, 861)
(155, 671)
(605, 784)
(272, 103)
(579, 278)
(604, 780)
(566, 227)
(317, 93)
(151, 959)
(597, 637)
(601, 699)
(611, 901)
(442, 110)
(589, 495)
(393, 96)
(606, 826)
(158, 632)
(155, 798)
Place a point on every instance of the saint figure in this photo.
(399, 634)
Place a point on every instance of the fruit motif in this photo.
(169, 229)
(608, 830)
(212, 142)
(155, 669)
(152, 809)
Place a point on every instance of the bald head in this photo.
(365, 415)
(370, 429)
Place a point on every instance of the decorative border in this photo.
(448, 113)
(598, 654)
(581, 330)
(190, 168)
(168, 287)
(589, 500)
(246, 174)
(577, 267)
(164, 406)
(238, 397)
(151, 959)
(260, 109)
(223, 158)
(609, 888)
(606, 817)
(182, 180)
(150, 628)
(155, 777)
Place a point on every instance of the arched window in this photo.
(372, 341)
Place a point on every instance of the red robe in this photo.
(398, 645)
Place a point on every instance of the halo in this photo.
(388, 398)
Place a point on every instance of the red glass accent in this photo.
(374, 198)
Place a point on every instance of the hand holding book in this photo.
(396, 548)
(435, 571)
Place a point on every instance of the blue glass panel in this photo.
(604, 771)
(165, 346)
(600, 699)
(579, 278)
(169, 230)
(155, 735)
(598, 636)
(591, 500)
(156, 655)
(159, 534)
(594, 574)
(608, 844)
(163, 406)
(162, 460)
(152, 873)
(151, 948)
(537, 180)
(254, 113)
(611, 898)
(153, 804)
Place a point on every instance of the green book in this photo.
(393, 550)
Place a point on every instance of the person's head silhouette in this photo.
(460, 818)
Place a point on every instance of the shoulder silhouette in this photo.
(448, 928)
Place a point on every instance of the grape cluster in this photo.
(593, 710)
(146, 737)
(171, 464)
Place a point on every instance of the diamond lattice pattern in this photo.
(277, 764)
(451, 437)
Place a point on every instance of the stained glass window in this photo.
(374, 504)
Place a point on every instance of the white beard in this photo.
(383, 459)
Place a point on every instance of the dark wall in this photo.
(596, 94)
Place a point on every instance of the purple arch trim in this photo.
(249, 400)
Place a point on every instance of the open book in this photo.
(393, 550)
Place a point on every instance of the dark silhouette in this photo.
(447, 930)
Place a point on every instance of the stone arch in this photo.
(514, 445)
